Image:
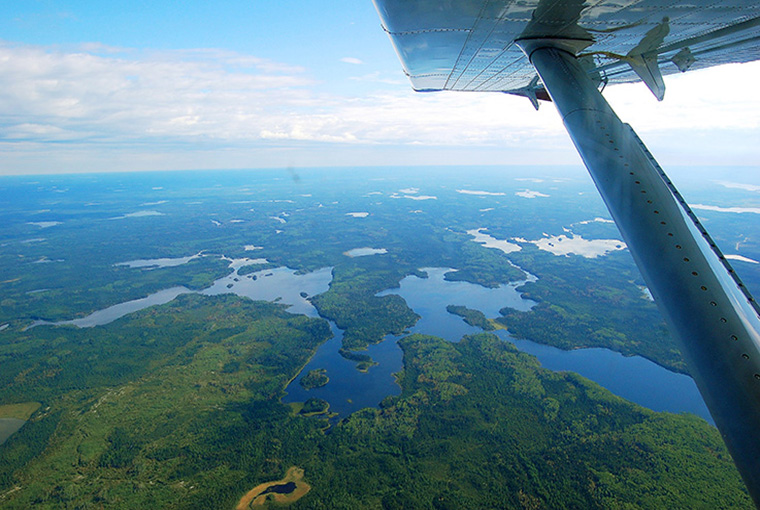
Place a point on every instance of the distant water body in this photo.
(110, 314)
(156, 263)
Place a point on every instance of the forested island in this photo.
(315, 379)
(472, 317)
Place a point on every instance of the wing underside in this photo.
(470, 45)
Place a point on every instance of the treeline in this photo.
(591, 303)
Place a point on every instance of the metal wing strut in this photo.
(713, 318)
(574, 46)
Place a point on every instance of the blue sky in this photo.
(130, 85)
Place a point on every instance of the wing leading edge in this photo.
(573, 47)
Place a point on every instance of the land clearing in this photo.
(19, 411)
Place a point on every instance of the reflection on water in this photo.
(114, 312)
(156, 263)
(492, 242)
(577, 245)
(282, 284)
(430, 296)
(363, 252)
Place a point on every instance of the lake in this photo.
(634, 378)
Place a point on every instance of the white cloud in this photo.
(377, 77)
(81, 96)
(483, 193)
(738, 185)
(693, 100)
(206, 108)
(595, 220)
(755, 210)
(530, 194)
(351, 60)
(742, 258)
(93, 96)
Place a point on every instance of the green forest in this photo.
(180, 405)
(179, 408)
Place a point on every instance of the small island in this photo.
(363, 361)
(315, 406)
(314, 379)
(472, 317)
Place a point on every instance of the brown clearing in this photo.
(497, 325)
(255, 497)
(19, 411)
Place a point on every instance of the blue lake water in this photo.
(430, 296)
(349, 390)
(634, 378)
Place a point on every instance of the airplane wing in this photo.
(565, 51)
(470, 45)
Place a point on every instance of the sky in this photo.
(95, 86)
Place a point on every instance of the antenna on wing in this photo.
(530, 91)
